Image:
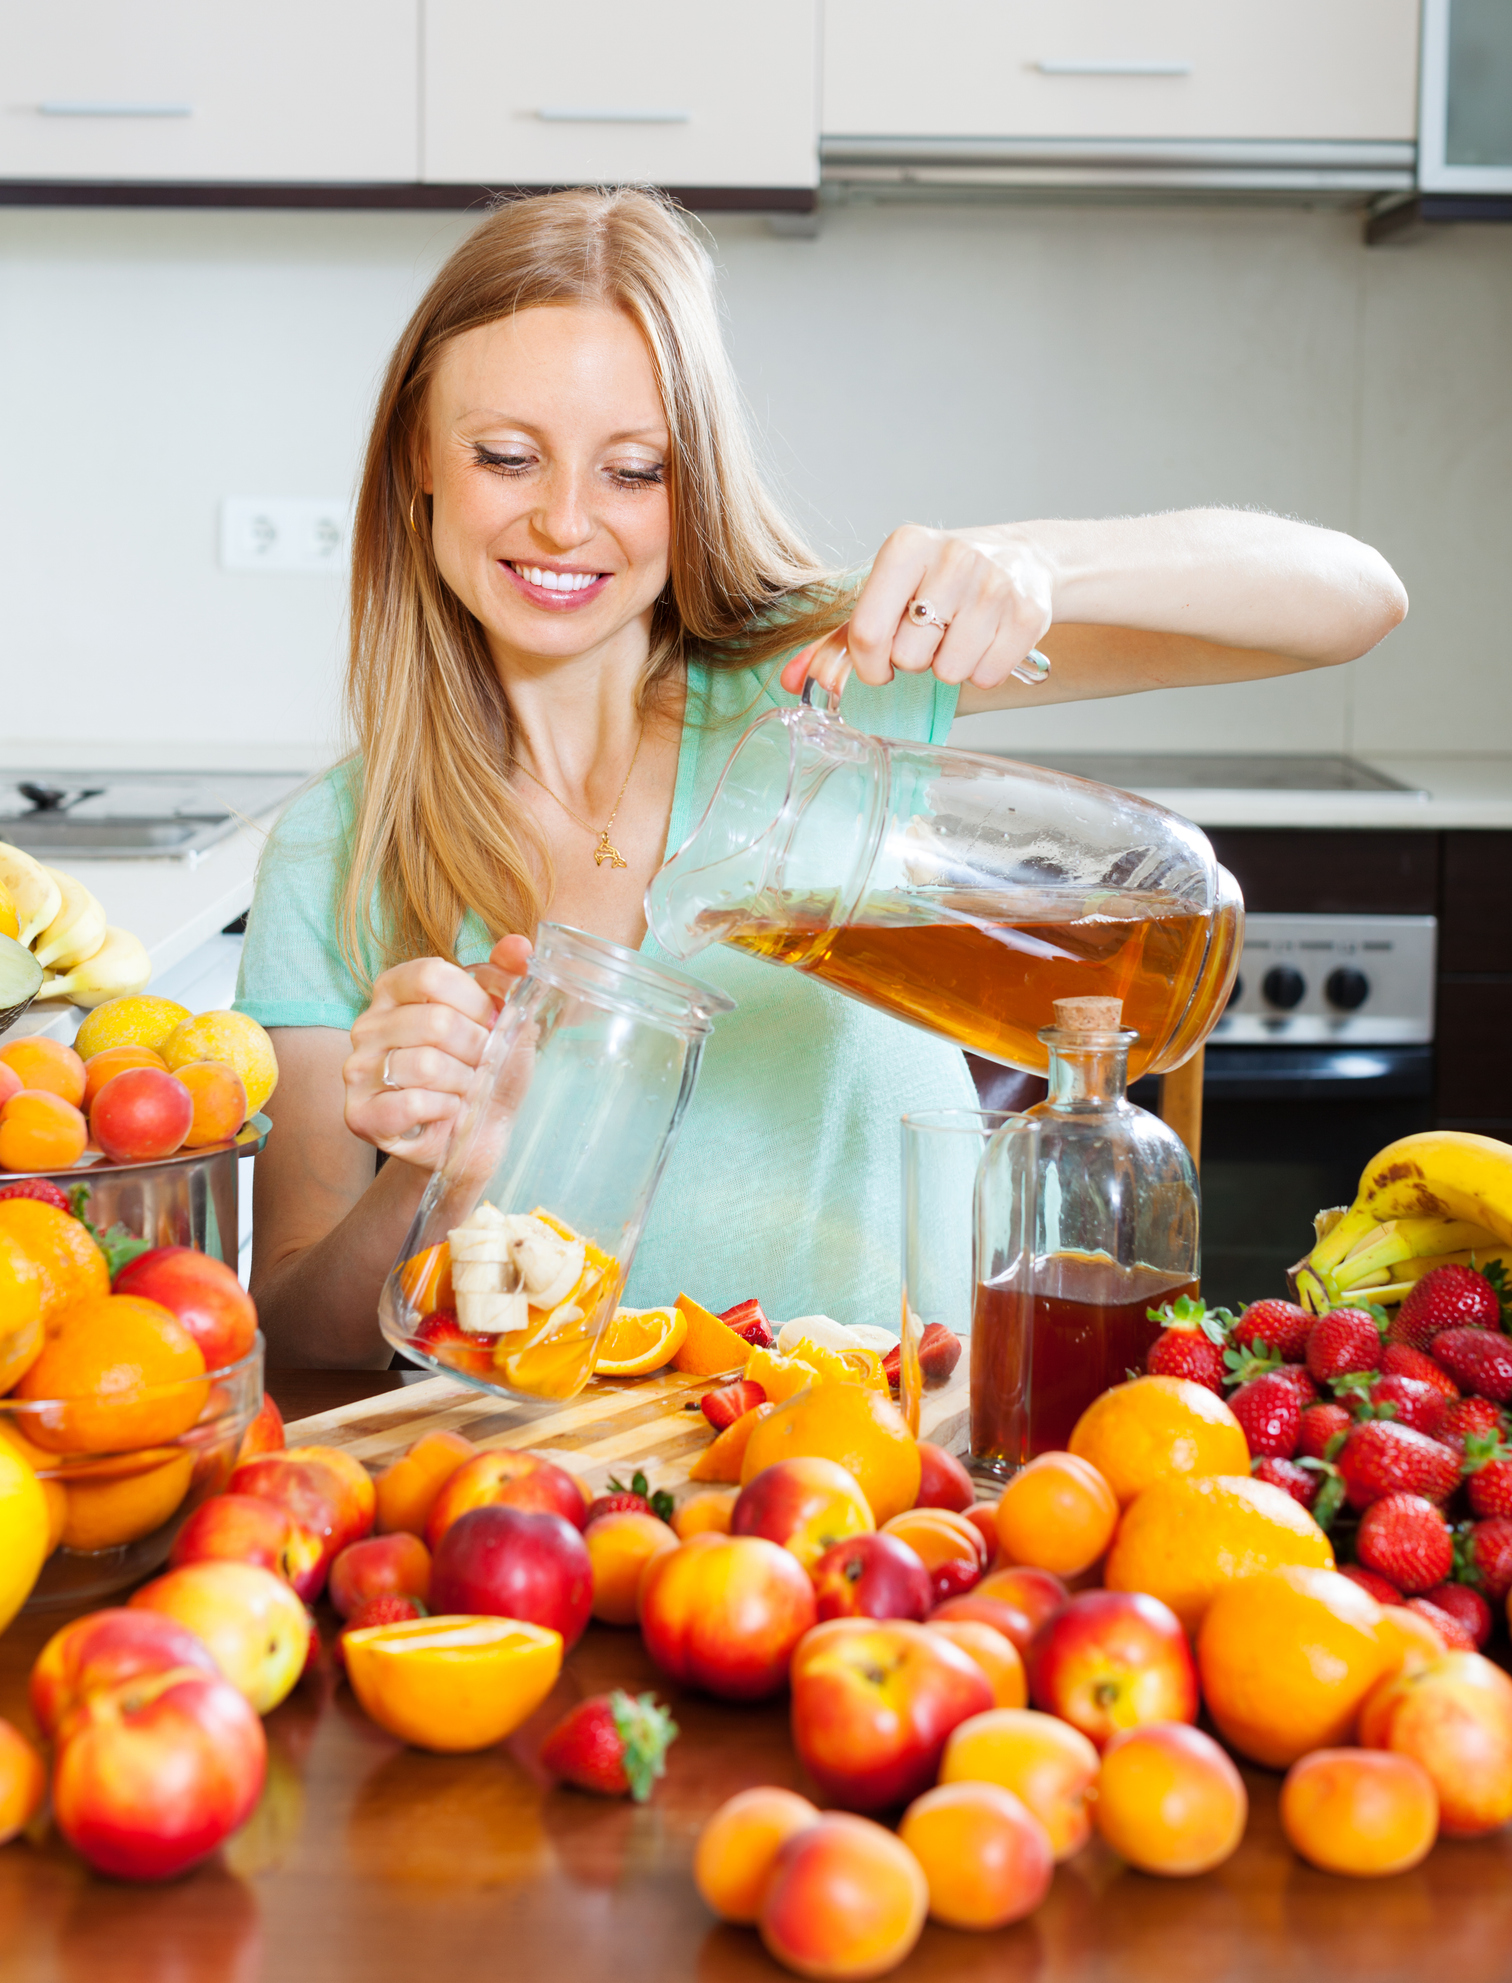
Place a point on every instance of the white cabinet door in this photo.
(1177, 69)
(208, 90)
(678, 92)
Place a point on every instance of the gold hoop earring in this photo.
(414, 493)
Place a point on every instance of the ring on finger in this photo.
(386, 1084)
(922, 614)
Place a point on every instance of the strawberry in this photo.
(1300, 1378)
(1466, 1416)
(389, 1609)
(731, 1401)
(1456, 1635)
(41, 1188)
(1343, 1340)
(1402, 1360)
(1410, 1402)
(939, 1353)
(623, 1503)
(1301, 1483)
(1479, 1360)
(1450, 1297)
(1191, 1342)
(1488, 1462)
(1317, 1429)
(1373, 1585)
(1405, 1539)
(611, 1744)
(1270, 1413)
(747, 1319)
(1468, 1606)
(1278, 1326)
(1485, 1557)
(637, 1497)
(1380, 1457)
(442, 1327)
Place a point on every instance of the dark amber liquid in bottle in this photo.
(1040, 1354)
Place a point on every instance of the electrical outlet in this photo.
(285, 533)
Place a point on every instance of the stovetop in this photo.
(132, 815)
(1227, 771)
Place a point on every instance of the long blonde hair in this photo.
(437, 828)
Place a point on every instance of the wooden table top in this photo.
(367, 1860)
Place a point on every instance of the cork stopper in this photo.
(1089, 1015)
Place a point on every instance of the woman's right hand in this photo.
(415, 1048)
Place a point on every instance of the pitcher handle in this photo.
(1033, 670)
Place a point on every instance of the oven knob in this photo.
(1283, 986)
(1347, 988)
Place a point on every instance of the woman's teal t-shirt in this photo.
(785, 1179)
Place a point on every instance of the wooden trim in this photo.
(397, 196)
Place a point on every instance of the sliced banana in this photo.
(822, 1330)
(76, 932)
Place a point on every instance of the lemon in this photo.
(23, 1532)
(10, 922)
(228, 1036)
(140, 1020)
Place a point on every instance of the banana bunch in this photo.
(64, 927)
(1441, 1197)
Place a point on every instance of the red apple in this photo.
(154, 1775)
(506, 1479)
(205, 1295)
(104, 1650)
(396, 1565)
(141, 1115)
(874, 1703)
(245, 1528)
(804, 1505)
(872, 1576)
(1038, 1594)
(1109, 1660)
(264, 1435)
(724, 1612)
(515, 1563)
(943, 1481)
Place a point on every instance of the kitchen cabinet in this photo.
(181, 90)
(677, 92)
(1177, 70)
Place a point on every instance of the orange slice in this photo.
(848, 1366)
(455, 1682)
(722, 1460)
(781, 1377)
(639, 1340)
(426, 1281)
(711, 1347)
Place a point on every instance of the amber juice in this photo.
(1041, 1353)
(990, 986)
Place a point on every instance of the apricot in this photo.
(23, 1782)
(1413, 1641)
(737, 1849)
(100, 1067)
(985, 1855)
(846, 1899)
(712, 1510)
(1058, 1513)
(950, 1547)
(1044, 1761)
(1362, 1811)
(1169, 1800)
(219, 1101)
(40, 1131)
(982, 1516)
(996, 1654)
(141, 1115)
(407, 1490)
(620, 1545)
(40, 1063)
(10, 1082)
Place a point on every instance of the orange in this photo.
(1286, 1658)
(115, 1508)
(40, 1132)
(1153, 1427)
(1361, 1811)
(1169, 1800)
(939, 1536)
(20, 1312)
(737, 1848)
(1409, 1639)
(1058, 1513)
(781, 1377)
(723, 1460)
(709, 1510)
(46, 1064)
(1184, 1539)
(620, 1545)
(640, 1340)
(454, 1682)
(23, 1532)
(101, 1067)
(220, 1102)
(69, 1265)
(23, 1782)
(426, 1280)
(710, 1347)
(858, 1428)
(136, 1019)
(127, 1368)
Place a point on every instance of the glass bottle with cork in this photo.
(1116, 1234)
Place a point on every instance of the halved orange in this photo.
(639, 1340)
(452, 1683)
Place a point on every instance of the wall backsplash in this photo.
(941, 364)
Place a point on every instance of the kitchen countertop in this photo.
(367, 1859)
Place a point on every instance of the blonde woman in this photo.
(570, 592)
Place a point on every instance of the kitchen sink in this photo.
(133, 815)
(1221, 771)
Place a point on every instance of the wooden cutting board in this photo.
(615, 1426)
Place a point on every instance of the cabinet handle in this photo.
(571, 116)
(1115, 66)
(68, 108)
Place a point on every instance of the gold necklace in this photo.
(605, 850)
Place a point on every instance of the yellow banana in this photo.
(1400, 1240)
(1441, 1174)
(118, 968)
(32, 888)
(76, 932)
(1342, 1237)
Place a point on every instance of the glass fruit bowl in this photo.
(121, 1473)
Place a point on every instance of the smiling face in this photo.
(546, 448)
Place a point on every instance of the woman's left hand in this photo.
(992, 588)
